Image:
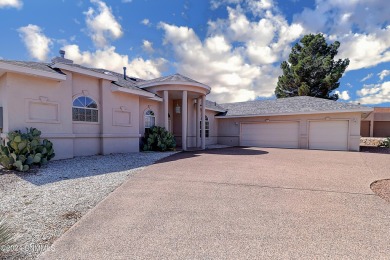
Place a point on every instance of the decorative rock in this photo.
(371, 141)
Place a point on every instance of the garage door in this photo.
(273, 134)
(328, 135)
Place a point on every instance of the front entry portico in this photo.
(186, 98)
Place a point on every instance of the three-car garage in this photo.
(321, 134)
(298, 122)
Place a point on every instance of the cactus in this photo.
(158, 139)
(24, 150)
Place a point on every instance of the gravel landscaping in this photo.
(382, 189)
(42, 205)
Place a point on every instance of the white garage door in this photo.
(272, 134)
(328, 135)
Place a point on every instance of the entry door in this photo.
(270, 134)
(328, 135)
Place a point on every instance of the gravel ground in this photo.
(382, 189)
(41, 206)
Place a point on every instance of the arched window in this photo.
(150, 119)
(207, 127)
(85, 109)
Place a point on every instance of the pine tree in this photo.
(311, 69)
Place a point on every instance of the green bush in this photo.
(158, 139)
(386, 143)
(24, 150)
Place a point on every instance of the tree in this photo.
(311, 69)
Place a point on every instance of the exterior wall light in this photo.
(177, 108)
(267, 120)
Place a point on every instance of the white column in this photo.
(372, 126)
(184, 121)
(204, 122)
(197, 122)
(166, 122)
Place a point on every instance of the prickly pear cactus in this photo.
(24, 150)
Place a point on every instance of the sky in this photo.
(234, 46)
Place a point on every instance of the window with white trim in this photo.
(207, 124)
(85, 109)
(150, 119)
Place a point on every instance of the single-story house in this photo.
(86, 111)
(377, 124)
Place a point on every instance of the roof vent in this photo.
(124, 72)
(61, 58)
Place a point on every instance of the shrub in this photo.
(24, 150)
(385, 143)
(158, 139)
(6, 234)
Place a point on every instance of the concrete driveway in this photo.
(240, 203)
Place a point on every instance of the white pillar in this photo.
(372, 126)
(198, 122)
(184, 121)
(166, 122)
(204, 122)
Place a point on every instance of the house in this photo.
(86, 111)
(377, 124)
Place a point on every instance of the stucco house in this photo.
(377, 124)
(86, 111)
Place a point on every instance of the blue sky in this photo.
(235, 46)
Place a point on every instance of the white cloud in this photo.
(374, 94)
(217, 3)
(146, 22)
(383, 74)
(357, 24)
(109, 59)
(344, 95)
(37, 44)
(240, 55)
(102, 24)
(11, 4)
(367, 77)
(147, 46)
(365, 49)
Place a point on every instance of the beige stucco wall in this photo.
(365, 128)
(47, 105)
(3, 99)
(43, 104)
(229, 129)
(382, 129)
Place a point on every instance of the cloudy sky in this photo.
(235, 46)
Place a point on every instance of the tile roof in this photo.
(129, 82)
(292, 105)
(214, 106)
(171, 78)
(303, 104)
(33, 65)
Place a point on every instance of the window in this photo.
(85, 109)
(207, 127)
(149, 119)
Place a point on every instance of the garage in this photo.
(328, 135)
(270, 134)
